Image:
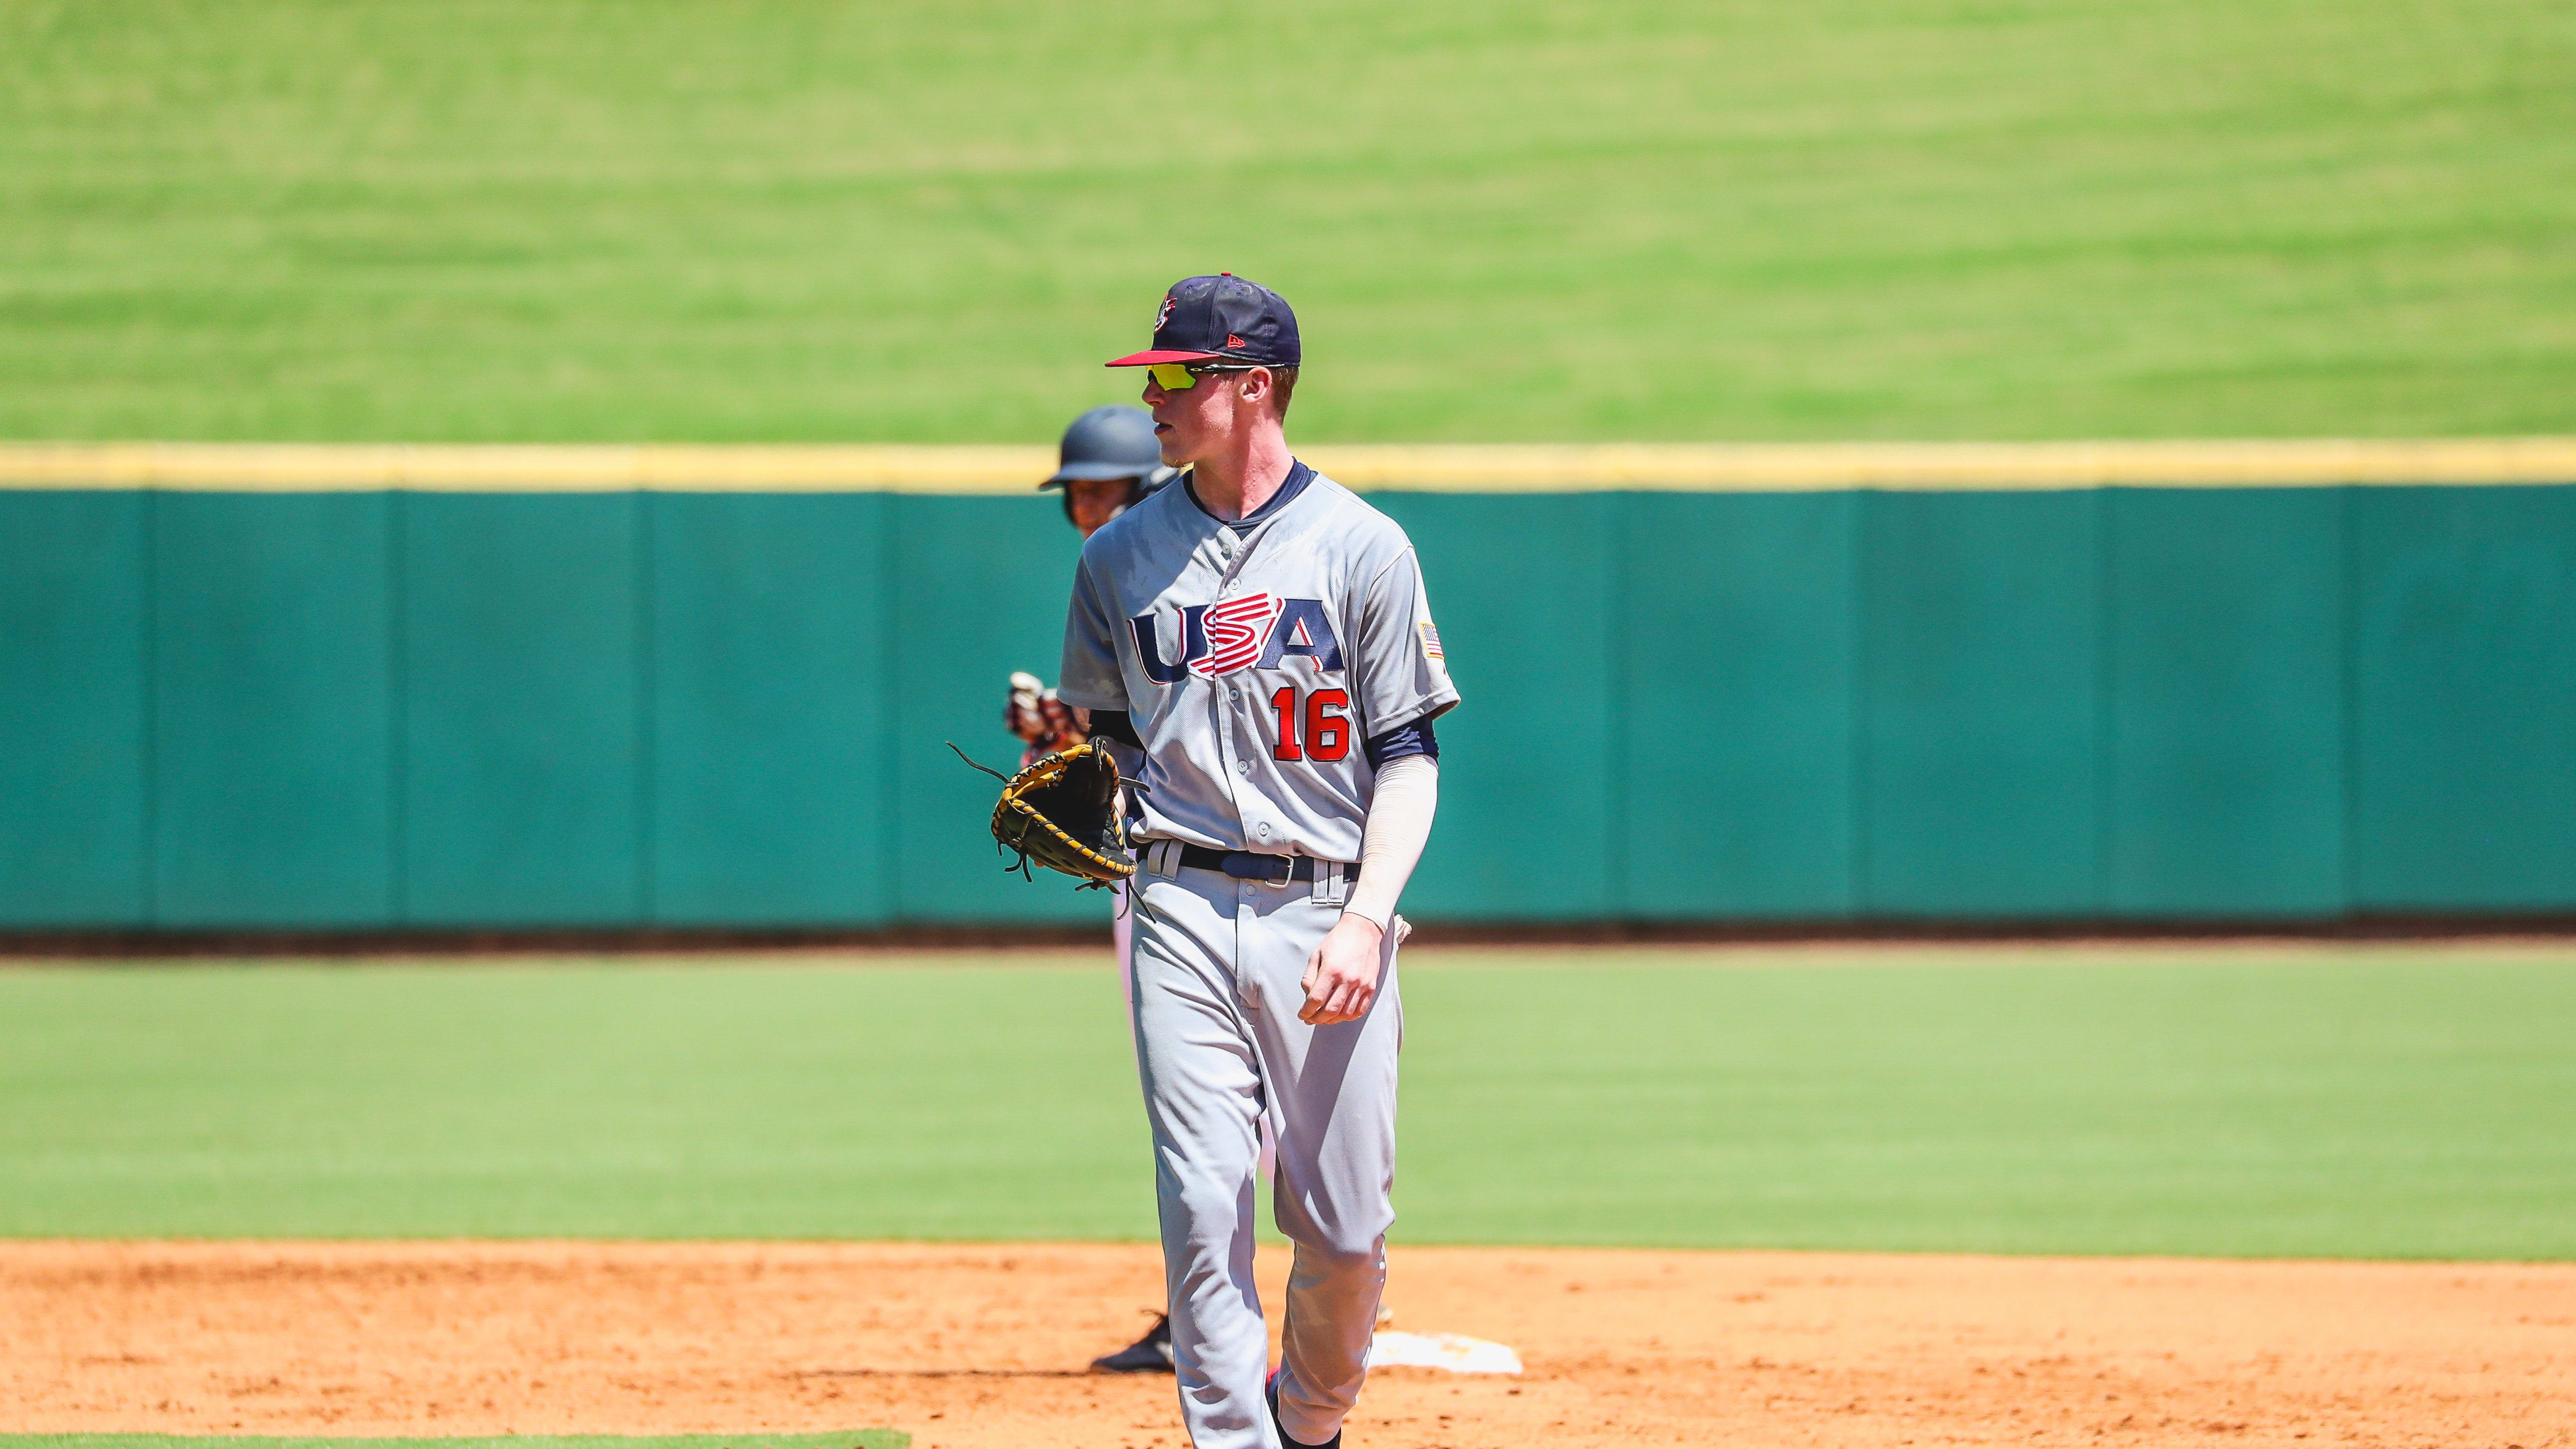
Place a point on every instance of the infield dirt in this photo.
(972, 1346)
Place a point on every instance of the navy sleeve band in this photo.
(1113, 724)
(1405, 739)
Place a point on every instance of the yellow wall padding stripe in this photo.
(509, 468)
(1444, 468)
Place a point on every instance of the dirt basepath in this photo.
(969, 1347)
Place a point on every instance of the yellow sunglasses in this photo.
(1182, 376)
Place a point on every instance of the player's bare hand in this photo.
(1341, 977)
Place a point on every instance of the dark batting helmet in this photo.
(1116, 441)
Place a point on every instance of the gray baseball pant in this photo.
(1217, 964)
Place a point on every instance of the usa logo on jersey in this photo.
(1237, 631)
(1256, 631)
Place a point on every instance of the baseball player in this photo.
(1108, 461)
(1261, 635)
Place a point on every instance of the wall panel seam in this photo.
(647, 833)
(1618, 613)
(150, 734)
(397, 709)
(1859, 899)
(2106, 763)
(890, 875)
(2348, 637)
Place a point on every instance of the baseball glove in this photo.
(1061, 811)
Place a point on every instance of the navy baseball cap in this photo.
(1221, 319)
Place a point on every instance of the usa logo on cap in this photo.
(1204, 319)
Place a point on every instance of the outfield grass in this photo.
(2384, 1103)
(690, 219)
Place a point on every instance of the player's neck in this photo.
(1237, 482)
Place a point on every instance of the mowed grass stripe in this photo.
(1506, 220)
(2390, 1102)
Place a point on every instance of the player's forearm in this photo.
(1399, 825)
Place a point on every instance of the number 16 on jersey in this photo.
(1327, 724)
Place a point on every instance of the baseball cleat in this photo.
(1151, 1354)
(1270, 1392)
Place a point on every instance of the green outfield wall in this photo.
(393, 706)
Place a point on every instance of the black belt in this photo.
(1250, 865)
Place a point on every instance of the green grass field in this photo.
(686, 219)
(2394, 1102)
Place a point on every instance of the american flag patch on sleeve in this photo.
(1430, 639)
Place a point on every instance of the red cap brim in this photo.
(1148, 359)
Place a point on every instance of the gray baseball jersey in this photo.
(1253, 661)
(1253, 664)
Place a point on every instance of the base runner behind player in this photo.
(1262, 635)
(1107, 462)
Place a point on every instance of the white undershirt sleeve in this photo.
(1399, 825)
